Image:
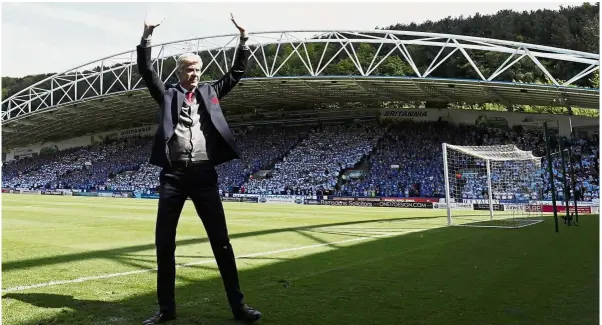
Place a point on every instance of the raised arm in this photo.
(145, 67)
(225, 84)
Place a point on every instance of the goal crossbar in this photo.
(496, 153)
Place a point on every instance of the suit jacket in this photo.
(221, 146)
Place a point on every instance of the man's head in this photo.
(188, 70)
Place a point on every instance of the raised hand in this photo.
(240, 29)
(150, 24)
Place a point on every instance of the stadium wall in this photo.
(500, 119)
(493, 118)
(79, 141)
(142, 131)
(51, 146)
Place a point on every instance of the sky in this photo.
(46, 37)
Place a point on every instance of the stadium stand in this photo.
(307, 160)
(261, 148)
(315, 164)
(586, 161)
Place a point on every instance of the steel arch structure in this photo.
(297, 63)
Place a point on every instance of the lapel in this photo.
(203, 93)
(180, 98)
(209, 97)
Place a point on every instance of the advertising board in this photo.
(485, 207)
(390, 204)
(562, 209)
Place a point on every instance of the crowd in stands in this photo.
(261, 148)
(409, 162)
(585, 160)
(401, 160)
(81, 168)
(313, 166)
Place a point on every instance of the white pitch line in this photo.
(129, 226)
(273, 218)
(113, 275)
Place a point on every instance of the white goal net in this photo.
(492, 186)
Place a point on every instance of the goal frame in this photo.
(445, 147)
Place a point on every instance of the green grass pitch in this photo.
(75, 260)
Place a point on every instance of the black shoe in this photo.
(159, 318)
(247, 314)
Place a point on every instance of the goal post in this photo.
(492, 186)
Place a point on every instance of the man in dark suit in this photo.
(191, 139)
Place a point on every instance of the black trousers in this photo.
(200, 184)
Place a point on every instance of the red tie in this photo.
(189, 96)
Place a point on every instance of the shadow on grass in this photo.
(442, 276)
(118, 253)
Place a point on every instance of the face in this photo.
(189, 75)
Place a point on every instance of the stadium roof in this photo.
(109, 94)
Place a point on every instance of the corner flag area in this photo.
(76, 260)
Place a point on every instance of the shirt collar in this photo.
(182, 89)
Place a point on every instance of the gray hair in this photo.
(186, 59)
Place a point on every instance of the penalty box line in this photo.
(114, 275)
